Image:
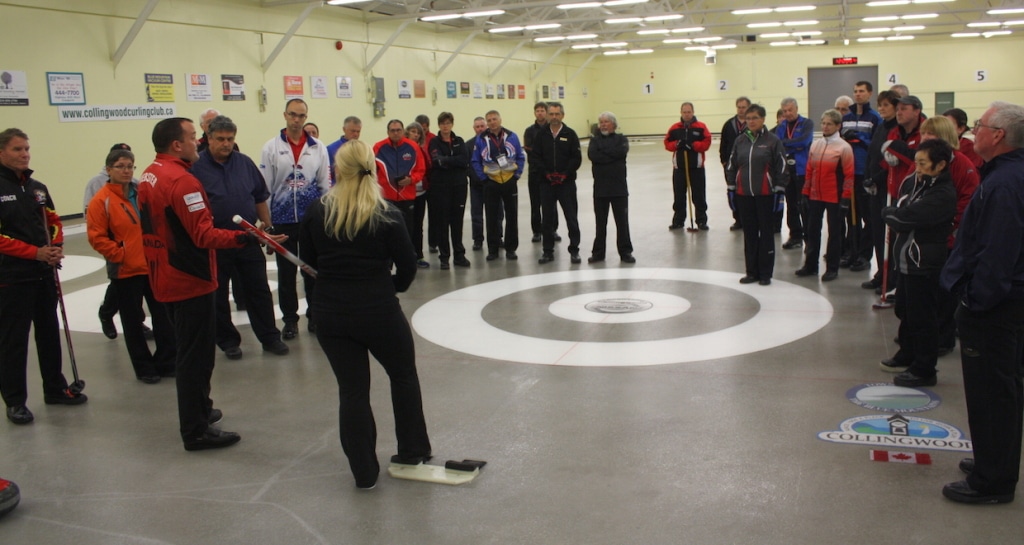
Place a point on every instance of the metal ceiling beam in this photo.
(387, 44)
(509, 56)
(291, 32)
(134, 31)
(458, 50)
(546, 63)
(582, 66)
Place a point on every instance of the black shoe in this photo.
(536, 238)
(147, 332)
(478, 246)
(409, 460)
(511, 256)
(461, 261)
(860, 265)
(735, 226)
(844, 262)
(149, 378)
(893, 366)
(804, 271)
(627, 258)
(20, 415)
(748, 279)
(290, 331)
(703, 226)
(233, 353)
(422, 264)
(367, 484)
(546, 258)
(765, 281)
(65, 397)
(829, 276)
(792, 243)
(492, 257)
(910, 380)
(575, 258)
(107, 325)
(595, 259)
(276, 347)
(675, 226)
(871, 284)
(962, 492)
(558, 238)
(966, 465)
(212, 438)
(444, 266)
(216, 415)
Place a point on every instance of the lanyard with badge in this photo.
(499, 146)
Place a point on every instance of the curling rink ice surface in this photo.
(654, 403)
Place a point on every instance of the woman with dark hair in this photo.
(449, 179)
(755, 178)
(966, 147)
(414, 131)
(920, 222)
(114, 230)
(353, 237)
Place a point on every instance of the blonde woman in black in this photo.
(353, 238)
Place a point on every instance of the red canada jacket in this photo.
(688, 144)
(178, 233)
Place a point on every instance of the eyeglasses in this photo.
(978, 125)
(123, 167)
(295, 115)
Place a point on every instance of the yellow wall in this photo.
(235, 36)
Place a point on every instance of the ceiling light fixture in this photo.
(707, 39)
(614, 44)
(992, 33)
(640, 51)
(579, 5)
(775, 35)
(919, 16)
(623, 52)
(677, 41)
(724, 46)
(585, 46)
(614, 3)
(1004, 11)
(505, 29)
(799, 23)
(880, 19)
(435, 18)
(811, 42)
(549, 39)
(488, 13)
(755, 11)
(624, 20)
(875, 39)
(898, 38)
(795, 8)
(545, 26)
(654, 31)
(783, 44)
(764, 25)
(582, 37)
(884, 3)
(966, 35)
(688, 29)
(669, 17)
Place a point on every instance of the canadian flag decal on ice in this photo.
(901, 457)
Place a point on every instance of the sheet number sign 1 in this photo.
(648, 89)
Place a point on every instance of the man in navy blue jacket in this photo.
(858, 128)
(986, 272)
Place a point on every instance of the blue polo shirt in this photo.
(234, 187)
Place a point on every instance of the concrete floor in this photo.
(696, 421)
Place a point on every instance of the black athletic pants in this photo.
(758, 219)
(247, 268)
(194, 324)
(22, 306)
(991, 346)
(287, 292)
(812, 236)
(502, 201)
(564, 195)
(620, 210)
(698, 192)
(131, 292)
(348, 340)
(447, 209)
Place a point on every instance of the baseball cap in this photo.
(913, 101)
(122, 145)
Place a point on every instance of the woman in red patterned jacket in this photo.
(827, 187)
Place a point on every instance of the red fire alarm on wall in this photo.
(338, 45)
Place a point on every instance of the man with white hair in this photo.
(843, 105)
(986, 272)
(607, 154)
(204, 123)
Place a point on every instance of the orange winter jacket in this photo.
(115, 232)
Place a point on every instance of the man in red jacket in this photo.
(179, 240)
(688, 140)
